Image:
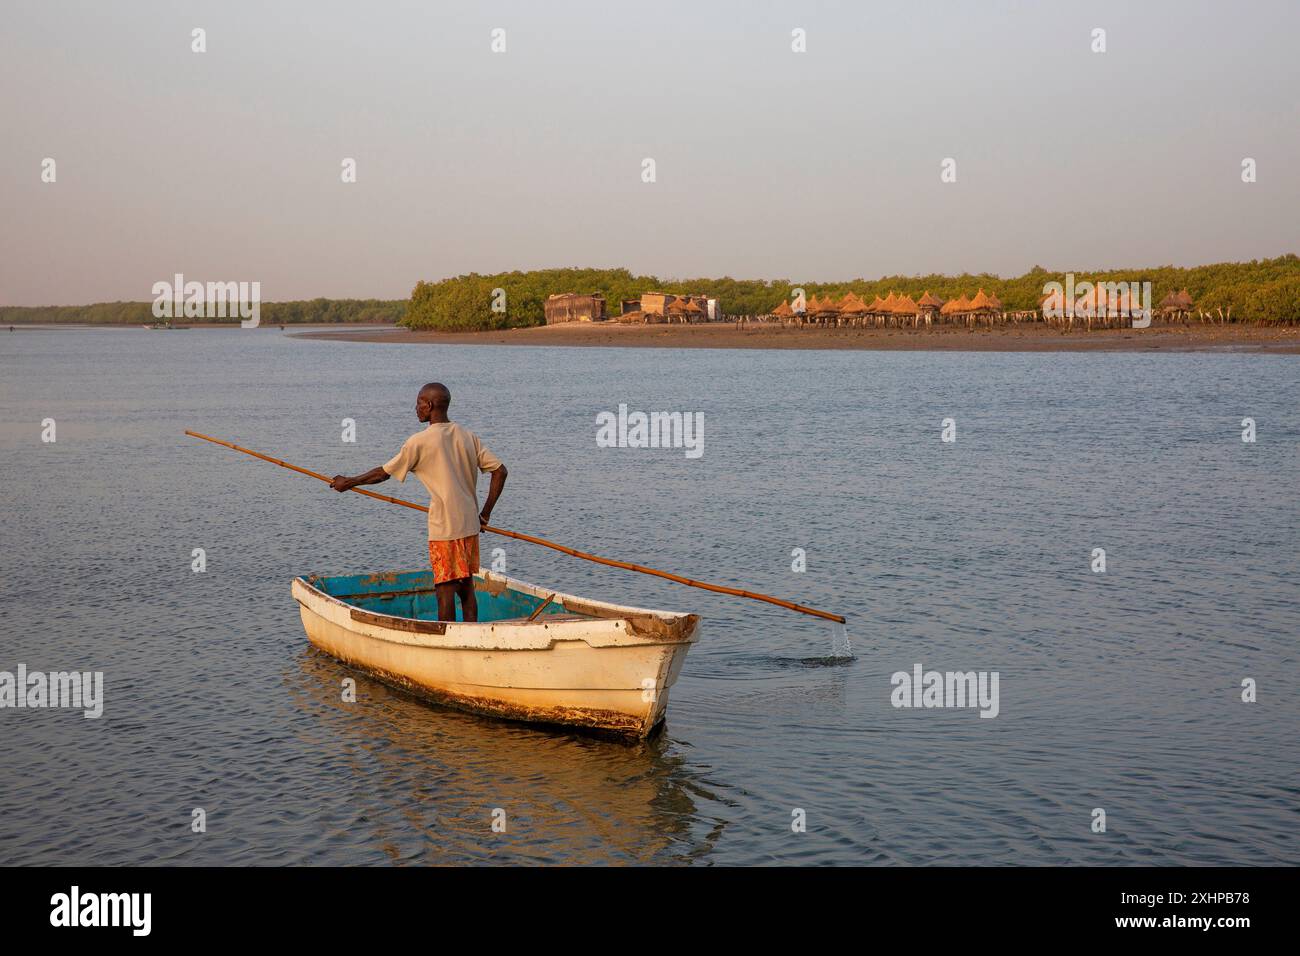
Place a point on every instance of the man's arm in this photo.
(373, 477)
(494, 492)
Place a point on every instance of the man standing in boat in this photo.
(447, 459)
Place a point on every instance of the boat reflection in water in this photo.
(426, 784)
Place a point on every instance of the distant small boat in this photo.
(165, 327)
(533, 655)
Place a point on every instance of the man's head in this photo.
(432, 402)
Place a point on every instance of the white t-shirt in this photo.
(447, 459)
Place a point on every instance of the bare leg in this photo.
(468, 599)
(446, 591)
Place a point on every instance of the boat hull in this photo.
(585, 664)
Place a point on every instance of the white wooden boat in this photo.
(572, 661)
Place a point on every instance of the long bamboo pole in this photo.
(627, 565)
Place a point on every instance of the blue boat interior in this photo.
(411, 594)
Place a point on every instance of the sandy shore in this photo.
(1025, 338)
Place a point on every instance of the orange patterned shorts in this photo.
(453, 560)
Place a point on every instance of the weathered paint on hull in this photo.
(595, 674)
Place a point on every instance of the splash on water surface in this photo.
(841, 646)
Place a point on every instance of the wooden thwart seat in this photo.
(544, 619)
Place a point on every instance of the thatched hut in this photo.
(875, 309)
(956, 310)
(981, 309)
(1085, 305)
(1098, 308)
(1121, 309)
(1176, 305)
(783, 312)
(661, 303)
(1002, 314)
(826, 311)
(928, 307)
(852, 308)
(1055, 308)
(906, 309)
(887, 305)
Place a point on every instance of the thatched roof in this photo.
(956, 306)
(823, 305)
(980, 303)
(851, 304)
(1099, 301)
(679, 305)
(783, 310)
(1185, 300)
(693, 306)
(995, 302)
(1086, 302)
(877, 305)
(905, 306)
(929, 301)
(890, 303)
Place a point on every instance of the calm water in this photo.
(1118, 690)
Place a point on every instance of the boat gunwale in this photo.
(613, 616)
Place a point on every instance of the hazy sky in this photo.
(823, 165)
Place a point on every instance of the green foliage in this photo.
(368, 311)
(465, 302)
(462, 305)
(1261, 290)
(1274, 302)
